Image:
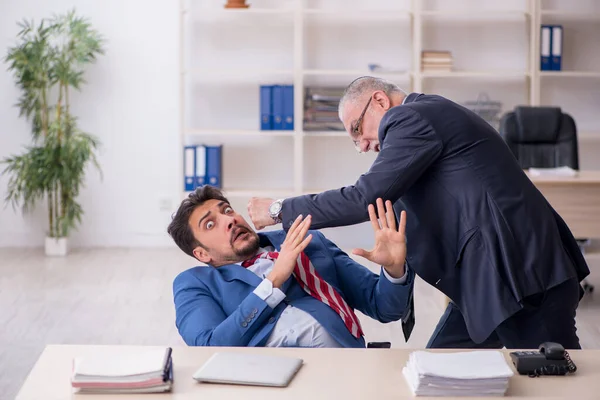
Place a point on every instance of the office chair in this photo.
(542, 137)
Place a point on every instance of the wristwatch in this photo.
(275, 210)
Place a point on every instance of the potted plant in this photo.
(47, 62)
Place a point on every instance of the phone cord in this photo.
(555, 369)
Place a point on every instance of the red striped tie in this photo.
(317, 287)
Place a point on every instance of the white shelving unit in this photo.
(296, 34)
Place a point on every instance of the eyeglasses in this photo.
(357, 131)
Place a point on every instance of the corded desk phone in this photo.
(551, 359)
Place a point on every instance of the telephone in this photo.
(551, 359)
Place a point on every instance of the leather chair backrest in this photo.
(541, 137)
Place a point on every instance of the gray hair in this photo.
(364, 84)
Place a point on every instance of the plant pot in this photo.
(236, 4)
(57, 246)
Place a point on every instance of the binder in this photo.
(189, 168)
(214, 165)
(266, 109)
(545, 48)
(288, 108)
(277, 104)
(200, 166)
(557, 40)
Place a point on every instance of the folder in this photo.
(214, 165)
(266, 109)
(277, 104)
(557, 39)
(189, 168)
(134, 370)
(545, 48)
(288, 108)
(200, 166)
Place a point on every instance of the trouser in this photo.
(545, 317)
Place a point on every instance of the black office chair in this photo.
(542, 137)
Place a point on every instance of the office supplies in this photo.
(214, 165)
(545, 48)
(189, 167)
(141, 370)
(467, 373)
(277, 104)
(321, 108)
(249, 369)
(266, 108)
(557, 40)
(551, 359)
(200, 174)
(288, 108)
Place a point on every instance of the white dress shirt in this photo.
(295, 327)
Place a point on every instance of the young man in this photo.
(273, 289)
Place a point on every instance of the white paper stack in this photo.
(559, 171)
(469, 373)
(131, 370)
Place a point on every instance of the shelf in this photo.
(572, 16)
(326, 134)
(476, 16)
(205, 11)
(570, 74)
(356, 73)
(221, 72)
(237, 193)
(235, 132)
(359, 14)
(475, 74)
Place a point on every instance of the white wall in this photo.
(130, 103)
(132, 100)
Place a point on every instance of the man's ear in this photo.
(202, 255)
(382, 100)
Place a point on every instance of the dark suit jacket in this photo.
(477, 228)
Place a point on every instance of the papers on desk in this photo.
(560, 171)
(130, 371)
(470, 373)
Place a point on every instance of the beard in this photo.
(247, 248)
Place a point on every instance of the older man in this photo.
(480, 231)
(274, 289)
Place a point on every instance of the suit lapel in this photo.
(235, 272)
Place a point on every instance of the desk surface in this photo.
(326, 374)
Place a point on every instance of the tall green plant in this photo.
(48, 60)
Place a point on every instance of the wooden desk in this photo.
(326, 374)
(576, 199)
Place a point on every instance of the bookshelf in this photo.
(226, 54)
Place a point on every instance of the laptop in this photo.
(249, 369)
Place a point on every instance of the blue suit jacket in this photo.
(478, 229)
(217, 306)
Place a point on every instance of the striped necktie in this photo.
(317, 287)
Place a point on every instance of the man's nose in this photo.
(231, 222)
(364, 146)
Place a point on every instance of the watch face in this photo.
(275, 208)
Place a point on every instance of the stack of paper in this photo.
(131, 370)
(559, 171)
(473, 373)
